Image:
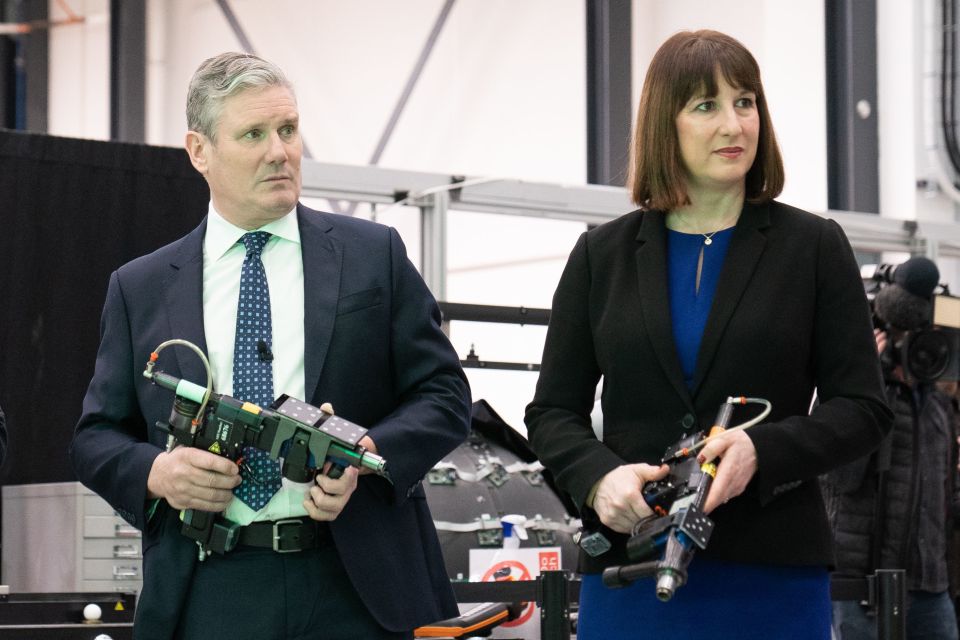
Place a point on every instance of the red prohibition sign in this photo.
(524, 575)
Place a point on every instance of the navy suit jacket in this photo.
(374, 349)
(789, 315)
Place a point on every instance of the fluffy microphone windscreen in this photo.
(901, 309)
(918, 275)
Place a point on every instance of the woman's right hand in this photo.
(618, 499)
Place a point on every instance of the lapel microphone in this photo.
(264, 351)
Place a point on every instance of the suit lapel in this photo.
(651, 258)
(183, 292)
(746, 247)
(322, 264)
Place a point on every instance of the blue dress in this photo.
(721, 599)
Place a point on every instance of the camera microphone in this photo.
(264, 351)
(918, 275)
(899, 308)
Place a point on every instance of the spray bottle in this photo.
(514, 530)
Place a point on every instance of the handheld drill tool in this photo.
(678, 527)
(303, 437)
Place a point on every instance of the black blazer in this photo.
(789, 315)
(373, 348)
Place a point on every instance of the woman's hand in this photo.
(738, 464)
(618, 499)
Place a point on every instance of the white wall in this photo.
(502, 95)
(79, 75)
(914, 173)
(787, 39)
(898, 48)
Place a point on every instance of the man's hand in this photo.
(881, 337)
(618, 499)
(366, 442)
(330, 496)
(189, 478)
(738, 464)
(370, 446)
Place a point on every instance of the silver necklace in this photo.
(707, 237)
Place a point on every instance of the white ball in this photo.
(103, 636)
(91, 612)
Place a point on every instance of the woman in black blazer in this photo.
(710, 289)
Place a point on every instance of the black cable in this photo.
(944, 74)
(947, 84)
(950, 80)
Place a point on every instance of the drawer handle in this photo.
(125, 551)
(125, 531)
(126, 573)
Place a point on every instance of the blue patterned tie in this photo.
(252, 372)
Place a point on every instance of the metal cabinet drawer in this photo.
(113, 586)
(111, 548)
(108, 527)
(112, 569)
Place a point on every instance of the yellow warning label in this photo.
(119, 606)
(215, 447)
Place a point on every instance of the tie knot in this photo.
(255, 241)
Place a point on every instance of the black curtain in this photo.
(71, 212)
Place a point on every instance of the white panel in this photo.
(502, 94)
(495, 259)
(185, 34)
(929, 162)
(896, 108)
(79, 72)
(793, 62)
(787, 39)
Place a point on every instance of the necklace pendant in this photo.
(707, 241)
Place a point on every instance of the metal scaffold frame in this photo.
(436, 193)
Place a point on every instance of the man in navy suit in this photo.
(349, 321)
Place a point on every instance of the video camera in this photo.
(921, 318)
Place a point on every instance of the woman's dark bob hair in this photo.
(685, 65)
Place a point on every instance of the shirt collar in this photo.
(222, 235)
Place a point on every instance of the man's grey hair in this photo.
(223, 76)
